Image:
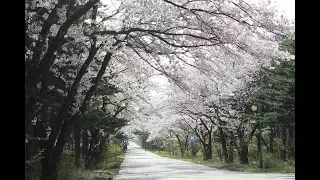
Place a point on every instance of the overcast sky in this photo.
(288, 6)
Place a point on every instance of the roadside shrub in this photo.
(112, 155)
(291, 162)
(270, 161)
(33, 167)
(68, 169)
(187, 155)
(232, 166)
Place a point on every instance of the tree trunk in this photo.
(29, 147)
(180, 145)
(208, 148)
(224, 145)
(71, 94)
(291, 142)
(52, 159)
(244, 152)
(30, 113)
(283, 151)
(77, 135)
(39, 131)
(101, 149)
(219, 153)
(85, 144)
(46, 171)
(186, 144)
(74, 88)
(231, 147)
(92, 149)
(271, 137)
(207, 152)
(53, 153)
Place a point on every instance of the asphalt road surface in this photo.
(139, 164)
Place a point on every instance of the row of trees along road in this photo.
(227, 126)
(88, 63)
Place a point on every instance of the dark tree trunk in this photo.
(70, 8)
(231, 147)
(224, 145)
(70, 143)
(180, 145)
(207, 152)
(244, 145)
(77, 135)
(46, 171)
(71, 94)
(32, 110)
(291, 142)
(101, 149)
(271, 137)
(219, 153)
(91, 156)
(38, 130)
(208, 147)
(85, 144)
(29, 147)
(283, 151)
(52, 159)
(30, 113)
(53, 154)
(74, 88)
(186, 144)
(243, 154)
(28, 156)
(278, 131)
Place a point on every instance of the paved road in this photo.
(144, 165)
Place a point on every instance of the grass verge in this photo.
(109, 169)
(231, 167)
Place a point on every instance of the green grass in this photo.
(114, 162)
(197, 160)
(215, 163)
(95, 174)
(258, 170)
(109, 168)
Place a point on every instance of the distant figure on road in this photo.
(125, 146)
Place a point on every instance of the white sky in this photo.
(288, 6)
